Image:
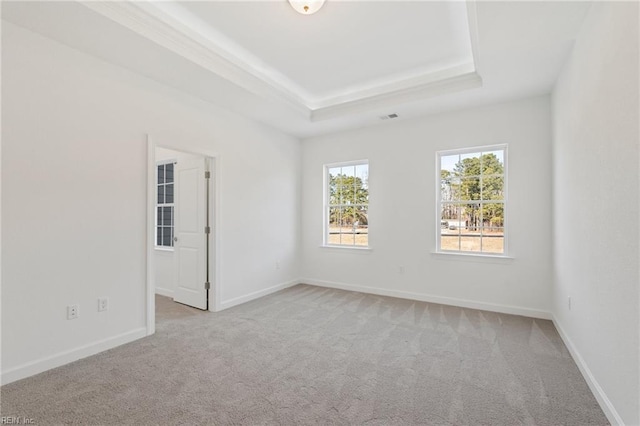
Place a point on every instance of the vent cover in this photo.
(389, 116)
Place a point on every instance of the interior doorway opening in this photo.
(181, 240)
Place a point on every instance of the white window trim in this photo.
(345, 247)
(471, 256)
(155, 213)
(462, 254)
(325, 207)
(162, 248)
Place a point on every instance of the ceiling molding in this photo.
(158, 25)
(472, 18)
(227, 66)
(411, 93)
(397, 86)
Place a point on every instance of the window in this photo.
(471, 200)
(346, 220)
(165, 205)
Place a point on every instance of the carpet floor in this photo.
(311, 355)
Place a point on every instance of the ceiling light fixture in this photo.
(306, 7)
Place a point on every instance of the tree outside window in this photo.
(347, 209)
(472, 200)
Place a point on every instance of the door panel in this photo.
(190, 220)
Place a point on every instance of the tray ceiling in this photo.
(343, 67)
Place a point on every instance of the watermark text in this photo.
(16, 420)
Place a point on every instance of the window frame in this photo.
(172, 205)
(327, 206)
(505, 201)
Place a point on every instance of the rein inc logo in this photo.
(16, 420)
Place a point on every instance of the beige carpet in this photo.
(310, 355)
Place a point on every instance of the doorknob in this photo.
(175, 239)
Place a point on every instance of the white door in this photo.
(190, 246)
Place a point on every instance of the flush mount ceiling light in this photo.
(306, 7)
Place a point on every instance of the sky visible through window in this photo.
(448, 162)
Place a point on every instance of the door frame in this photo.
(213, 163)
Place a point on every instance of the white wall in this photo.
(402, 221)
(74, 198)
(595, 115)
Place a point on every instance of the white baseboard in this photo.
(164, 292)
(62, 358)
(505, 309)
(256, 294)
(605, 403)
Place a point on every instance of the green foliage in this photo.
(348, 200)
(474, 179)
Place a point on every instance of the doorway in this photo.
(181, 243)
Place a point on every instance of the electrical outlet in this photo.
(569, 302)
(401, 270)
(277, 265)
(73, 311)
(103, 304)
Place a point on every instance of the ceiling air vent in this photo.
(387, 117)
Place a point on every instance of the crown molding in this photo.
(157, 24)
(397, 85)
(167, 33)
(472, 19)
(407, 94)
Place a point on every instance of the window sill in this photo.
(169, 249)
(472, 257)
(352, 248)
